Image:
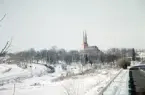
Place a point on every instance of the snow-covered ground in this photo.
(119, 86)
(11, 72)
(3, 68)
(88, 84)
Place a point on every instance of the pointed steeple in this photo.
(85, 43)
(85, 38)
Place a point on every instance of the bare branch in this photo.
(6, 50)
(2, 18)
(5, 47)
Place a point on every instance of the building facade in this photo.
(88, 53)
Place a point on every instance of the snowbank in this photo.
(3, 68)
(16, 72)
(78, 85)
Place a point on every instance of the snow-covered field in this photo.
(13, 71)
(88, 84)
(3, 68)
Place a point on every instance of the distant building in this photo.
(141, 54)
(88, 52)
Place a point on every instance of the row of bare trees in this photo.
(49, 56)
(54, 55)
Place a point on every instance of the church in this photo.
(89, 53)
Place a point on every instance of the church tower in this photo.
(85, 42)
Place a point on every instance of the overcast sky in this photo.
(44, 23)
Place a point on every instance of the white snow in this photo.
(17, 72)
(3, 68)
(88, 84)
(119, 86)
(14, 70)
(37, 69)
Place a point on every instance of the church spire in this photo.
(83, 37)
(86, 37)
(85, 43)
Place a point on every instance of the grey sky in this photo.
(45, 23)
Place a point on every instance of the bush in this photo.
(128, 63)
(64, 67)
(143, 62)
(123, 63)
(50, 69)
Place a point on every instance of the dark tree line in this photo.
(55, 55)
(51, 56)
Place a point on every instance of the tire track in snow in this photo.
(98, 86)
(115, 87)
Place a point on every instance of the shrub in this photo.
(50, 69)
(143, 62)
(123, 63)
(128, 63)
(64, 67)
(36, 84)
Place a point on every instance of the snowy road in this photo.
(119, 86)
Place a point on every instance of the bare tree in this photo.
(37, 57)
(133, 55)
(6, 47)
(61, 54)
(113, 54)
(2, 18)
(8, 44)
